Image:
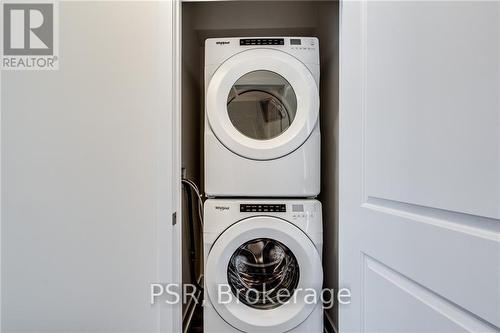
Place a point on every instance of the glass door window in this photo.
(263, 273)
(261, 105)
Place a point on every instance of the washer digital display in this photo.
(262, 208)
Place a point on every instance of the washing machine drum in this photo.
(258, 273)
(262, 104)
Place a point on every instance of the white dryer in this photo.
(261, 258)
(262, 135)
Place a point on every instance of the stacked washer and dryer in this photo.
(263, 228)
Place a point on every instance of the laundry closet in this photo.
(245, 20)
(397, 88)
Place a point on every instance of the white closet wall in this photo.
(87, 176)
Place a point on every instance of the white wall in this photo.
(86, 175)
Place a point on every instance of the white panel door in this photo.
(420, 166)
(88, 186)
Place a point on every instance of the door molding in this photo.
(175, 325)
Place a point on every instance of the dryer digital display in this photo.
(262, 41)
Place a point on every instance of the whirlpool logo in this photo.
(30, 35)
(222, 42)
(222, 208)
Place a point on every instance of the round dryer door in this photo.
(262, 104)
(258, 273)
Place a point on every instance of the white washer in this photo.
(262, 246)
(262, 135)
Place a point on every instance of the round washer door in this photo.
(251, 262)
(262, 104)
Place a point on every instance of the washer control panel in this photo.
(224, 212)
(256, 207)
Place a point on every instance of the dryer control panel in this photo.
(262, 41)
(218, 50)
(255, 207)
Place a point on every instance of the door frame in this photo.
(175, 322)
